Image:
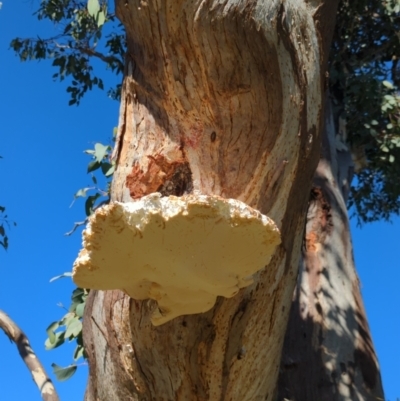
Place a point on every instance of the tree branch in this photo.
(101, 56)
(16, 335)
(81, 223)
(76, 225)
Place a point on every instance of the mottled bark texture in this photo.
(220, 97)
(328, 353)
(35, 367)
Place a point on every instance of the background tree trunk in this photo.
(328, 353)
(225, 98)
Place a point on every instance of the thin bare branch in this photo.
(39, 375)
(76, 225)
(101, 56)
(83, 222)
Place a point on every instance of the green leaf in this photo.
(79, 350)
(77, 294)
(60, 339)
(93, 165)
(387, 84)
(50, 331)
(4, 243)
(66, 274)
(74, 328)
(73, 306)
(80, 309)
(107, 168)
(67, 319)
(110, 171)
(100, 151)
(81, 193)
(93, 7)
(89, 204)
(101, 18)
(63, 374)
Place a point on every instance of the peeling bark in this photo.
(328, 353)
(223, 98)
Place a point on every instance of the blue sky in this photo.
(43, 165)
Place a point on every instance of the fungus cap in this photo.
(182, 252)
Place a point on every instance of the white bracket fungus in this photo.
(182, 252)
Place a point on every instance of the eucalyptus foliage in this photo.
(68, 328)
(100, 161)
(364, 79)
(84, 31)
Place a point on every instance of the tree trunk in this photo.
(328, 353)
(226, 98)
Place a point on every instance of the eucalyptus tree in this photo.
(277, 104)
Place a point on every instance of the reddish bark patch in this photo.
(324, 224)
(311, 241)
(162, 175)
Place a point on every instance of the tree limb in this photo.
(39, 375)
(101, 56)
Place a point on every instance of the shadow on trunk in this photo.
(328, 353)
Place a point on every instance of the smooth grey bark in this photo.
(328, 353)
(224, 98)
